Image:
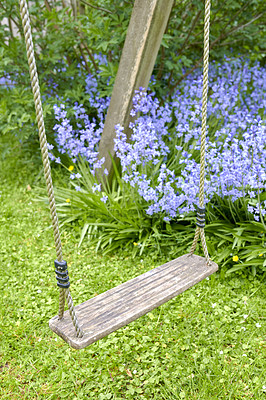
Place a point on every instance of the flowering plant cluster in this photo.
(80, 136)
(162, 160)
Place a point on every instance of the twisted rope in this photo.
(64, 293)
(200, 231)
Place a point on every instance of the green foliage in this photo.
(121, 221)
(246, 240)
(100, 27)
(232, 231)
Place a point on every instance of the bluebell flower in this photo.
(96, 187)
(104, 198)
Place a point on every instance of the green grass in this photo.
(208, 343)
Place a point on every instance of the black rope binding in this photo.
(62, 274)
(200, 219)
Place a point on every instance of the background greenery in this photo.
(73, 38)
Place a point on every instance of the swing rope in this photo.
(201, 208)
(62, 274)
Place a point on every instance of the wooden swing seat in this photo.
(117, 307)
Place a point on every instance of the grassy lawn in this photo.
(208, 343)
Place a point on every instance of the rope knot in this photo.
(200, 219)
(62, 274)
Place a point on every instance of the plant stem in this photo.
(96, 7)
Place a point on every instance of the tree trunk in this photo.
(146, 28)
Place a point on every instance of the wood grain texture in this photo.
(117, 307)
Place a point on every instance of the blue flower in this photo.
(104, 198)
(96, 187)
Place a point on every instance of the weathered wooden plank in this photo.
(144, 35)
(147, 284)
(119, 306)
